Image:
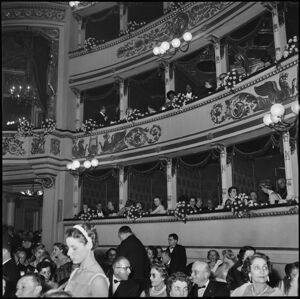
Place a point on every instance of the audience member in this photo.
(166, 261)
(111, 211)
(178, 285)
(159, 208)
(232, 195)
(214, 261)
(235, 277)
(192, 209)
(22, 262)
(229, 259)
(120, 284)
(253, 201)
(199, 204)
(99, 210)
(188, 92)
(204, 286)
(102, 118)
(178, 254)
(133, 249)
(40, 253)
(152, 254)
(14, 239)
(89, 279)
(257, 267)
(281, 188)
(85, 210)
(45, 269)
(159, 253)
(28, 245)
(9, 268)
(267, 188)
(110, 256)
(289, 284)
(209, 205)
(209, 87)
(169, 100)
(158, 276)
(62, 261)
(30, 285)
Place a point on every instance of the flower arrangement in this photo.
(25, 128)
(134, 115)
(133, 212)
(174, 7)
(91, 43)
(231, 79)
(131, 27)
(190, 210)
(239, 207)
(48, 125)
(86, 217)
(291, 48)
(180, 211)
(88, 126)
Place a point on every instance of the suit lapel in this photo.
(209, 290)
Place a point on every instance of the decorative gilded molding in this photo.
(11, 144)
(47, 181)
(33, 13)
(55, 146)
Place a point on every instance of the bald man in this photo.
(203, 285)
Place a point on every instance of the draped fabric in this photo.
(100, 177)
(113, 89)
(95, 19)
(146, 169)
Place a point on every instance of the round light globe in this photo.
(267, 119)
(165, 46)
(175, 42)
(156, 51)
(275, 119)
(87, 164)
(95, 162)
(69, 166)
(76, 164)
(187, 36)
(40, 192)
(277, 110)
(161, 51)
(295, 107)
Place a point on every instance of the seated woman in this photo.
(89, 279)
(257, 267)
(267, 188)
(213, 260)
(232, 195)
(178, 285)
(152, 254)
(169, 100)
(111, 209)
(40, 254)
(229, 259)
(192, 209)
(289, 284)
(158, 276)
(199, 204)
(159, 208)
(106, 265)
(46, 270)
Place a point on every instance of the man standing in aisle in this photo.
(134, 250)
(178, 254)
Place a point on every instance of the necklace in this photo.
(259, 294)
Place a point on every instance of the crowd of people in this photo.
(133, 270)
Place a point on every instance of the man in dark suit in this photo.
(102, 117)
(178, 254)
(203, 285)
(134, 250)
(120, 285)
(10, 270)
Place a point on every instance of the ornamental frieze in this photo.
(33, 13)
(116, 142)
(183, 21)
(38, 144)
(11, 144)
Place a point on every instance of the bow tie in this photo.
(116, 281)
(203, 287)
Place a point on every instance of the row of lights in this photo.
(32, 193)
(275, 118)
(75, 165)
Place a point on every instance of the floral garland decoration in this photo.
(134, 115)
(25, 128)
(190, 210)
(231, 79)
(180, 211)
(239, 207)
(86, 217)
(131, 27)
(91, 43)
(88, 126)
(291, 47)
(179, 101)
(174, 7)
(134, 213)
(48, 125)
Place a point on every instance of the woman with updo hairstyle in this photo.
(40, 254)
(213, 258)
(289, 284)
(258, 268)
(158, 277)
(229, 259)
(89, 279)
(152, 254)
(62, 261)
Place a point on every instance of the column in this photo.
(171, 181)
(123, 16)
(79, 108)
(81, 32)
(169, 76)
(11, 209)
(295, 171)
(174, 187)
(76, 194)
(123, 188)
(123, 96)
(288, 164)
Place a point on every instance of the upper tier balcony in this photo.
(132, 54)
(223, 117)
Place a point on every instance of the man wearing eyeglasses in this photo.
(120, 285)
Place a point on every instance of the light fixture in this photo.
(167, 50)
(275, 118)
(74, 3)
(33, 191)
(24, 94)
(76, 168)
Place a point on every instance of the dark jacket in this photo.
(126, 288)
(178, 259)
(102, 119)
(235, 277)
(214, 289)
(12, 272)
(133, 249)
